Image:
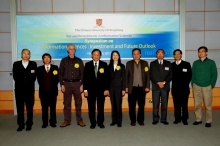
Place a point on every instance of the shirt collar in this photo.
(160, 61)
(178, 62)
(96, 62)
(204, 59)
(47, 66)
(25, 62)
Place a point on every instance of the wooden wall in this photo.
(6, 102)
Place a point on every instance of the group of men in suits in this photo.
(92, 79)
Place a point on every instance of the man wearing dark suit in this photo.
(95, 85)
(137, 85)
(181, 77)
(117, 86)
(47, 77)
(24, 75)
(161, 75)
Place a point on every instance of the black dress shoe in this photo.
(112, 124)
(185, 122)
(53, 125)
(165, 122)
(20, 129)
(28, 128)
(102, 126)
(119, 125)
(133, 123)
(154, 122)
(44, 126)
(208, 125)
(92, 127)
(176, 122)
(141, 123)
(197, 123)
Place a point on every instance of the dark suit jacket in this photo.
(54, 79)
(91, 83)
(130, 75)
(24, 78)
(182, 75)
(117, 77)
(158, 75)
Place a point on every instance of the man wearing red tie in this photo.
(47, 77)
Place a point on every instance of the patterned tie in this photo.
(48, 69)
(95, 69)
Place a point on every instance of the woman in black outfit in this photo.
(117, 87)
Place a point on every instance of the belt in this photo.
(74, 80)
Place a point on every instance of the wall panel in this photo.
(129, 5)
(212, 40)
(6, 81)
(97, 6)
(68, 6)
(5, 62)
(212, 5)
(5, 41)
(5, 22)
(212, 20)
(194, 40)
(194, 21)
(158, 5)
(194, 5)
(36, 6)
(4, 6)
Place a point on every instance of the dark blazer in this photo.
(93, 84)
(181, 77)
(158, 74)
(54, 79)
(130, 75)
(24, 78)
(117, 77)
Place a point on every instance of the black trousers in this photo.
(180, 102)
(48, 100)
(116, 103)
(137, 96)
(24, 98)
(160, 95)
(92, 98)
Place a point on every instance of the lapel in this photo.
(132, 67)
(92, 68)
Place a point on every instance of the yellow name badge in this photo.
(55, 72)
(76, 65)
(101, 70)
(118, 67)
(146, 69)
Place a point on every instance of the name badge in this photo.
(184, 70)
(166, 68)
(32, 71)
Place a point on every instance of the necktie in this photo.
(47, 69)
(95, 69)
(160, 62)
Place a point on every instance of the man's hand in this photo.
(160, 84)
(106, 93)
(147, 90)
(126, 90)
(123, 93)
(63, 88)
(85, 94)
(81, 88)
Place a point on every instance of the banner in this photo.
(107, 32)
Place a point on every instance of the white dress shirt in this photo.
(25, 64)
